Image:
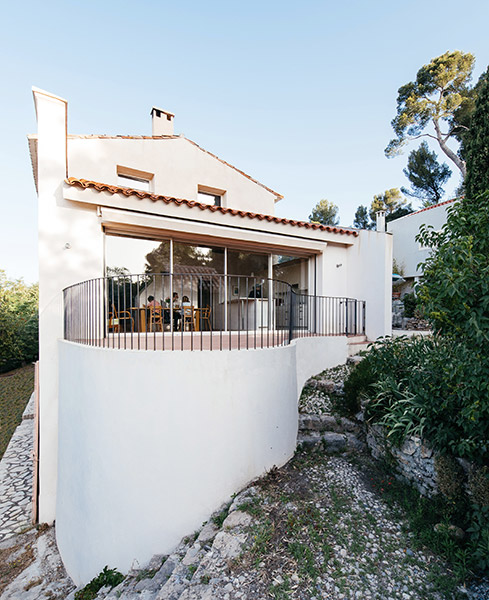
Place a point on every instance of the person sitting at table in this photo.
(187, 314)
(177, 315)
(152, 302)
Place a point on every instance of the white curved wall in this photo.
(151, 443)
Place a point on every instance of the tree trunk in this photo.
(448, 151)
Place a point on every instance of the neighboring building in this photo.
(137, 448)
(407, 252)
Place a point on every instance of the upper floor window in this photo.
(134, 178)
(208, 195)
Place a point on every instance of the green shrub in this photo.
(410, 304)
(18, 323)
(108, 577)
(449, 477)
(357, 386)
(445, 387)
(454, 287)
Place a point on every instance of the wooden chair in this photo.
(205, 317)
(115, 319)
(188, 316)
(156, 318)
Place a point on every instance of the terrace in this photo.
(201, 310)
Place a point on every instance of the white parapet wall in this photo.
(151, 443)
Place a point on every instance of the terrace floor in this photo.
(198, 340)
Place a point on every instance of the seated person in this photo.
(177, 315)
(152, 302)
(186, 301)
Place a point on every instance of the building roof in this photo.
(416, 212)
(115, 189)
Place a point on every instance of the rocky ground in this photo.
(316, 528)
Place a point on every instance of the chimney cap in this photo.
(156, 112)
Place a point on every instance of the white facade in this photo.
(89, 397)
(407, 252)
(148, 452)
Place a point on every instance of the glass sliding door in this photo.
(294, 271)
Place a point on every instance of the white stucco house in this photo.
(179, 319)
(407, 252)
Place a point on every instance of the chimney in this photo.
(162, 121)
(380, 217)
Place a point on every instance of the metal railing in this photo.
(195, 311)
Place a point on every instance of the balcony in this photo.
(201, 311)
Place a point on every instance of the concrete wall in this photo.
(407, 252)
(147, 453)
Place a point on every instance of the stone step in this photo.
(323, 423)
(356, 347)
(332, 442)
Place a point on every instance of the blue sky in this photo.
(298, 95)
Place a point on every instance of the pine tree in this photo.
(477, 180)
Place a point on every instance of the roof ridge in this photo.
(279, 196)
(432, 206)
(116, 189)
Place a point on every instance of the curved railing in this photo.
(201, 311)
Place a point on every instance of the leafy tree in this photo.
(325, 212)
(362, 219)
(462, 116)
(426, 175)
(393, 202)
(454, 288)
(440, 89)
(477, 152)
(18, 323)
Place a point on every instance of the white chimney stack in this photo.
(162, 121)
(380, 217)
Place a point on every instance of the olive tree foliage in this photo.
(477, 144)
(440, 89)
(18, 323)
(454, 288)
(325, 212)
(426, 175)
(393, 202)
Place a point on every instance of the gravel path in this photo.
(16, 478)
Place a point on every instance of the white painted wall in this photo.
(59, 267)
(370, 279)
(179, 166)
(147, 452)
(406, 250)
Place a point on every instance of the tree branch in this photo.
(448, 151)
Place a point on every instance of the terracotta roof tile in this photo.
(115, 189)
(433, 206)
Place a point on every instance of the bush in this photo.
(410, 304)
(108, 577)
(445, 387)
(454, 288)
(356, 387)
(18, 323)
